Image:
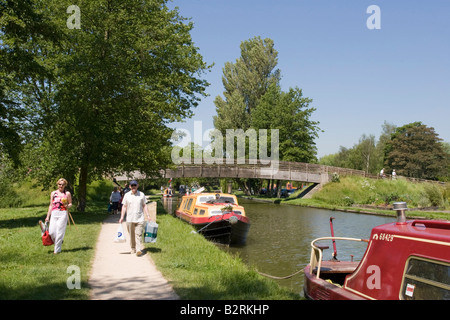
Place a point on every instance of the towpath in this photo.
(119, 275)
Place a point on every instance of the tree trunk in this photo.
(82, 185)
(278, 188)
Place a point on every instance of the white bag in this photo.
(151, 231)
(120, 237)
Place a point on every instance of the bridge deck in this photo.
(280, 170)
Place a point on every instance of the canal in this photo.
(279, 240)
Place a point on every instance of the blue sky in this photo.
(358, 78)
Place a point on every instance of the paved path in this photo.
(119, 275)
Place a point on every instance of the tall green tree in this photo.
(21, 22)
(245, 82)
(415, 150)
(116, 83)
(253, 99)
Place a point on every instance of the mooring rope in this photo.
(217, 218)
(280, 278)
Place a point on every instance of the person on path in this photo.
(60, 202)
(134, 205)
(115, 199)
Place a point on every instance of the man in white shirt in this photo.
(133, 204)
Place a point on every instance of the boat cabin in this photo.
(209, 204)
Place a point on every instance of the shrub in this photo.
(434, 195)
(347, 201)
(335, 178)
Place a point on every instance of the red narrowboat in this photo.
(406, 260)
(217, 216)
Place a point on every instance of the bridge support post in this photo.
(324, 178)
(229, 186)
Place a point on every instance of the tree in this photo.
(115, 84)
(20, 21)
(253, 99)
(367, 154)
(245, 82)
(415, 151)
(290, 114)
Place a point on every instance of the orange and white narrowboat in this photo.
(217, 216)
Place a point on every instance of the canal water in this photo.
(279, 240)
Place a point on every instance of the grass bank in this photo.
(31, 271)
(199, 270)
(359, 194)
(196, 268)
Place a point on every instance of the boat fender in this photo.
(233, 219)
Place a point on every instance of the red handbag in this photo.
(46, 239)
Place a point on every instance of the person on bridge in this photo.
(134, 205)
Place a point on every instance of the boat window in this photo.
(226, 200)
(205, 199)
(185, 204)
(237, 212)
(216, 212)
(196, 210)
(202, 212)
(222, 200)
(426, 280)
(188, 207)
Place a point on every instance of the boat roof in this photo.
(434, 230)
(209, 193)
(222, 198)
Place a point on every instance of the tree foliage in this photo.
(108, 90)
(415, 151)
(253, 99)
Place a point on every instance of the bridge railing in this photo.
(280, 170)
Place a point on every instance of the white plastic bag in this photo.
(151, 231)
(120, 236)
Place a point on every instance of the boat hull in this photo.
(227, 229)
(335, 272)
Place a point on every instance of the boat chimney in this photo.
(400, 207)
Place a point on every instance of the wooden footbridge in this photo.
(280, 170)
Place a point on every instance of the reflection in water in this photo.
(279, 240)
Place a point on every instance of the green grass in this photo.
(357, 193)
(31, 271)
(198, 270)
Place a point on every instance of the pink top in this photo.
(59, 201)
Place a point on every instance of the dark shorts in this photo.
(115, 205)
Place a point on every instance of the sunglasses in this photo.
(133, 185)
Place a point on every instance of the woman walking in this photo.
(114, 199)
(60, 202)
